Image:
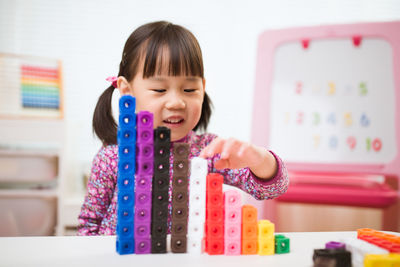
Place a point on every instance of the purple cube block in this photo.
(144, 167)
(142, 198)
(143, 183)
(335, 245)
(142, 230)
(143, 214)
(142, 246)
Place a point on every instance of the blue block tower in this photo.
(126, 175)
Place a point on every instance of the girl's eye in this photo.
(159, 90)
(189, 90)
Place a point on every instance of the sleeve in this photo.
(100, 188)
(260, 189)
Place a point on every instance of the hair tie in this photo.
(113, 81)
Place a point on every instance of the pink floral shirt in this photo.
(98, 213)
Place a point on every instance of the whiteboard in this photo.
(334, 102)
(327, 98)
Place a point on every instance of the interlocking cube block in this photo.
(249, 246)
(179, 228)
(334, 245)
(215, 199)
(127, 104)
(161, 183)
(282, 244)
(162, 135)
(142, 198)
(125, 245)
(178, 244)
(249, 231)
(161, 167)
(215, 230)
(233, 231)
(127, 121)
(335, 257)
(143, 184)
(266, 229)
(142, 230)
(386, 260)
(266, 246)
(126, 152)
(196, 229)
(233, 215)
(214, 182)
(181, 168)
(232, 199)
(142, 246)
(179, 197)
(142, 214)
(215, 215)
(125, 229)
(179, 213)
(181, 151)
(126, 182)
(126, 167)
(194, 244)
(126, 198)
(232, 247)
(215, 246)
(145, 151)
(125, 213)
(159, 228)
(159, 245)
(145, 167)
(249, 214)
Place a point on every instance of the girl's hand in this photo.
(236, 154)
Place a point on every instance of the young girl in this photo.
(162, 67)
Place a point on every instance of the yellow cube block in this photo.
(383, 260)
(266, 229)
(266, 246)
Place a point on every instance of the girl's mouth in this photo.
(173, 121)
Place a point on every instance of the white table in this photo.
(100, 251)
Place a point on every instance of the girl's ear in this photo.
(204, 84)
(123, 86)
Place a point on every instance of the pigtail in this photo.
(104, 125)
(206, 110)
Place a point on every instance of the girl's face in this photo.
(175, 101)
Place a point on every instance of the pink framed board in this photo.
(327, 98)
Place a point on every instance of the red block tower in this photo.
(214, 236)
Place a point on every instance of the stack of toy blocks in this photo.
(214, 237)
(389, 243)
(334, 254)
(266, 239)
(233, 222)
(144, 175)
(249, 230)
(197, 202)
(180, 198)
(126, 176)
(162, 139)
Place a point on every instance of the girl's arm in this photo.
(255, 170)
(100, 188)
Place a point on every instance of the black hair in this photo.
(146, 45)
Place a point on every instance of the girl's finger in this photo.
(228, 148)
(213, 148)
(221, 164)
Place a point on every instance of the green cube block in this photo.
(282, 244)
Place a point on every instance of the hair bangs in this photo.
(174, 51)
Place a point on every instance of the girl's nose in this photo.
(175, 102)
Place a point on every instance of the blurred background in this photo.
(73, 46)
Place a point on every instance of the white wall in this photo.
(88, 36)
